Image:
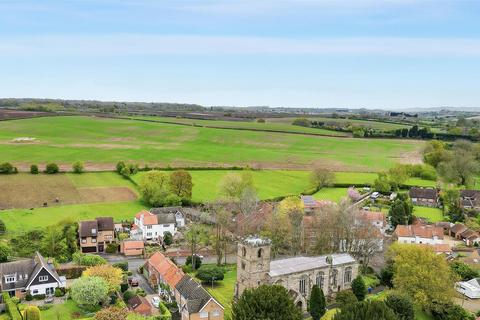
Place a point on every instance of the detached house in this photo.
(177, 211)
(35, 275)
(96, 234)
(150, 226)
(427, 197)
(419, 234)
(470, 199)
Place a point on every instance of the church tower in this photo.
(253, 263)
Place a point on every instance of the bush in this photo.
(89, 260)
(261, 120)
(366, 310)
(11, 307)
(120, 166)
(44, 307)
(172, 200)
(464, 270)
(187, 268)
(141, 292)
(303, 122)
(121, 265)
(346, 297)
(359, 289)
(32, 313)
(167, 238)
(52, 168)
(209, 273)
(59, 292)
(449, 311)
(7, 168)
(196, 259)
(71, 272)
(77, 167)
(39, 297)
(127, 295)
(28, 296)
(401, 305)
(165, 313)
(34, 169)
(112, 248)
(123, 287)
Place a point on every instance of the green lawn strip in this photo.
(432, 214)
(99, 179)
(18, 220)
(67, 311)
(223, 291)
(329, 314)
(417, 182)
(251, 125)
(111, 140)
(332, 194)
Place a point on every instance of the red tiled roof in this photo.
(423, 231)
(133, 244)
(439, 248)
(148, 217)
(170, 273)
(139, 214)
(372, 215)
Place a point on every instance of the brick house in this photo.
(94, 235)
(428, 197)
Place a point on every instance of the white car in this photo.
(156, 301)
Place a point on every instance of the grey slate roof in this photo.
(21, 267)
(166, 218)
(424, 193)
(40, 264)
(194, 293)
(299, 264)
(166, 210)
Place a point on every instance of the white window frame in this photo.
(216, 313)
(203, 314)
(10, 278)
(43, 278)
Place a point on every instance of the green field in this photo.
(249, 125)
(432, 214)
(18, 220)
(360, 123)
(332, 194)
(102, 142)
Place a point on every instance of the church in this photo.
(332, 273)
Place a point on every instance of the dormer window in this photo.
(43, 278)
(26, 276)
(94, 231)
(20, 277)
(10, 278)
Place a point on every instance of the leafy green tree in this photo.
(7, 168)
(233, 184)
(167, 238)
(34, 169)
(316, 303)
(3, 227)
(195, 236)
(359, 288)
(345, 297)
(266, 302)
(463, 270)
(5, 252)
(88, 260)
(382, 183)
(460, 168)
(112, 313)
(210, 273)
(52, 168)
(401, 305)
(120, 166)
(398, 175)
(54, 244)
(154, 187)
(417, 271)
(366, 310)
(449, 311)
(321, 177)
(303, 122)
(78, 167)
(181, 184)
(89, 292)
(400, 212)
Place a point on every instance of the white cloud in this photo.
(133, 44)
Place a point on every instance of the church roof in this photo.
(299, 264)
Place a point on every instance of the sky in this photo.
(280, 53)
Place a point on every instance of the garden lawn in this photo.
(329, 314)
(223, 291)
(417, 182)
(332, 194)
(20, 220)
(432, 214)
(66, 312)
(102, 142)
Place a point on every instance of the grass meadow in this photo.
(101, 142)
(431, 214)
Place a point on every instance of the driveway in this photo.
(133, 264)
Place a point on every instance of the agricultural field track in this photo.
(101, 142)
(17, 114)
(32, 191)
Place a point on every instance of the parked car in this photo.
(133, 282)
(156, 301)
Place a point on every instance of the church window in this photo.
(347, 278)
(259, 253)
(244, 251)
(334, 277)
(303, 285)
(319, 280)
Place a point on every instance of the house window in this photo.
(149, 234)
(319, 280)
(203, 314)
(94, 231)
(26, 276)
(303, 285)
(84, 240)
(43, 278)
(149, 227)
(347, 277)
(35, 291)
(166, 226)
(216, 313)
(94, 240)
(10, 279)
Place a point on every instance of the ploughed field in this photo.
(101, 142)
